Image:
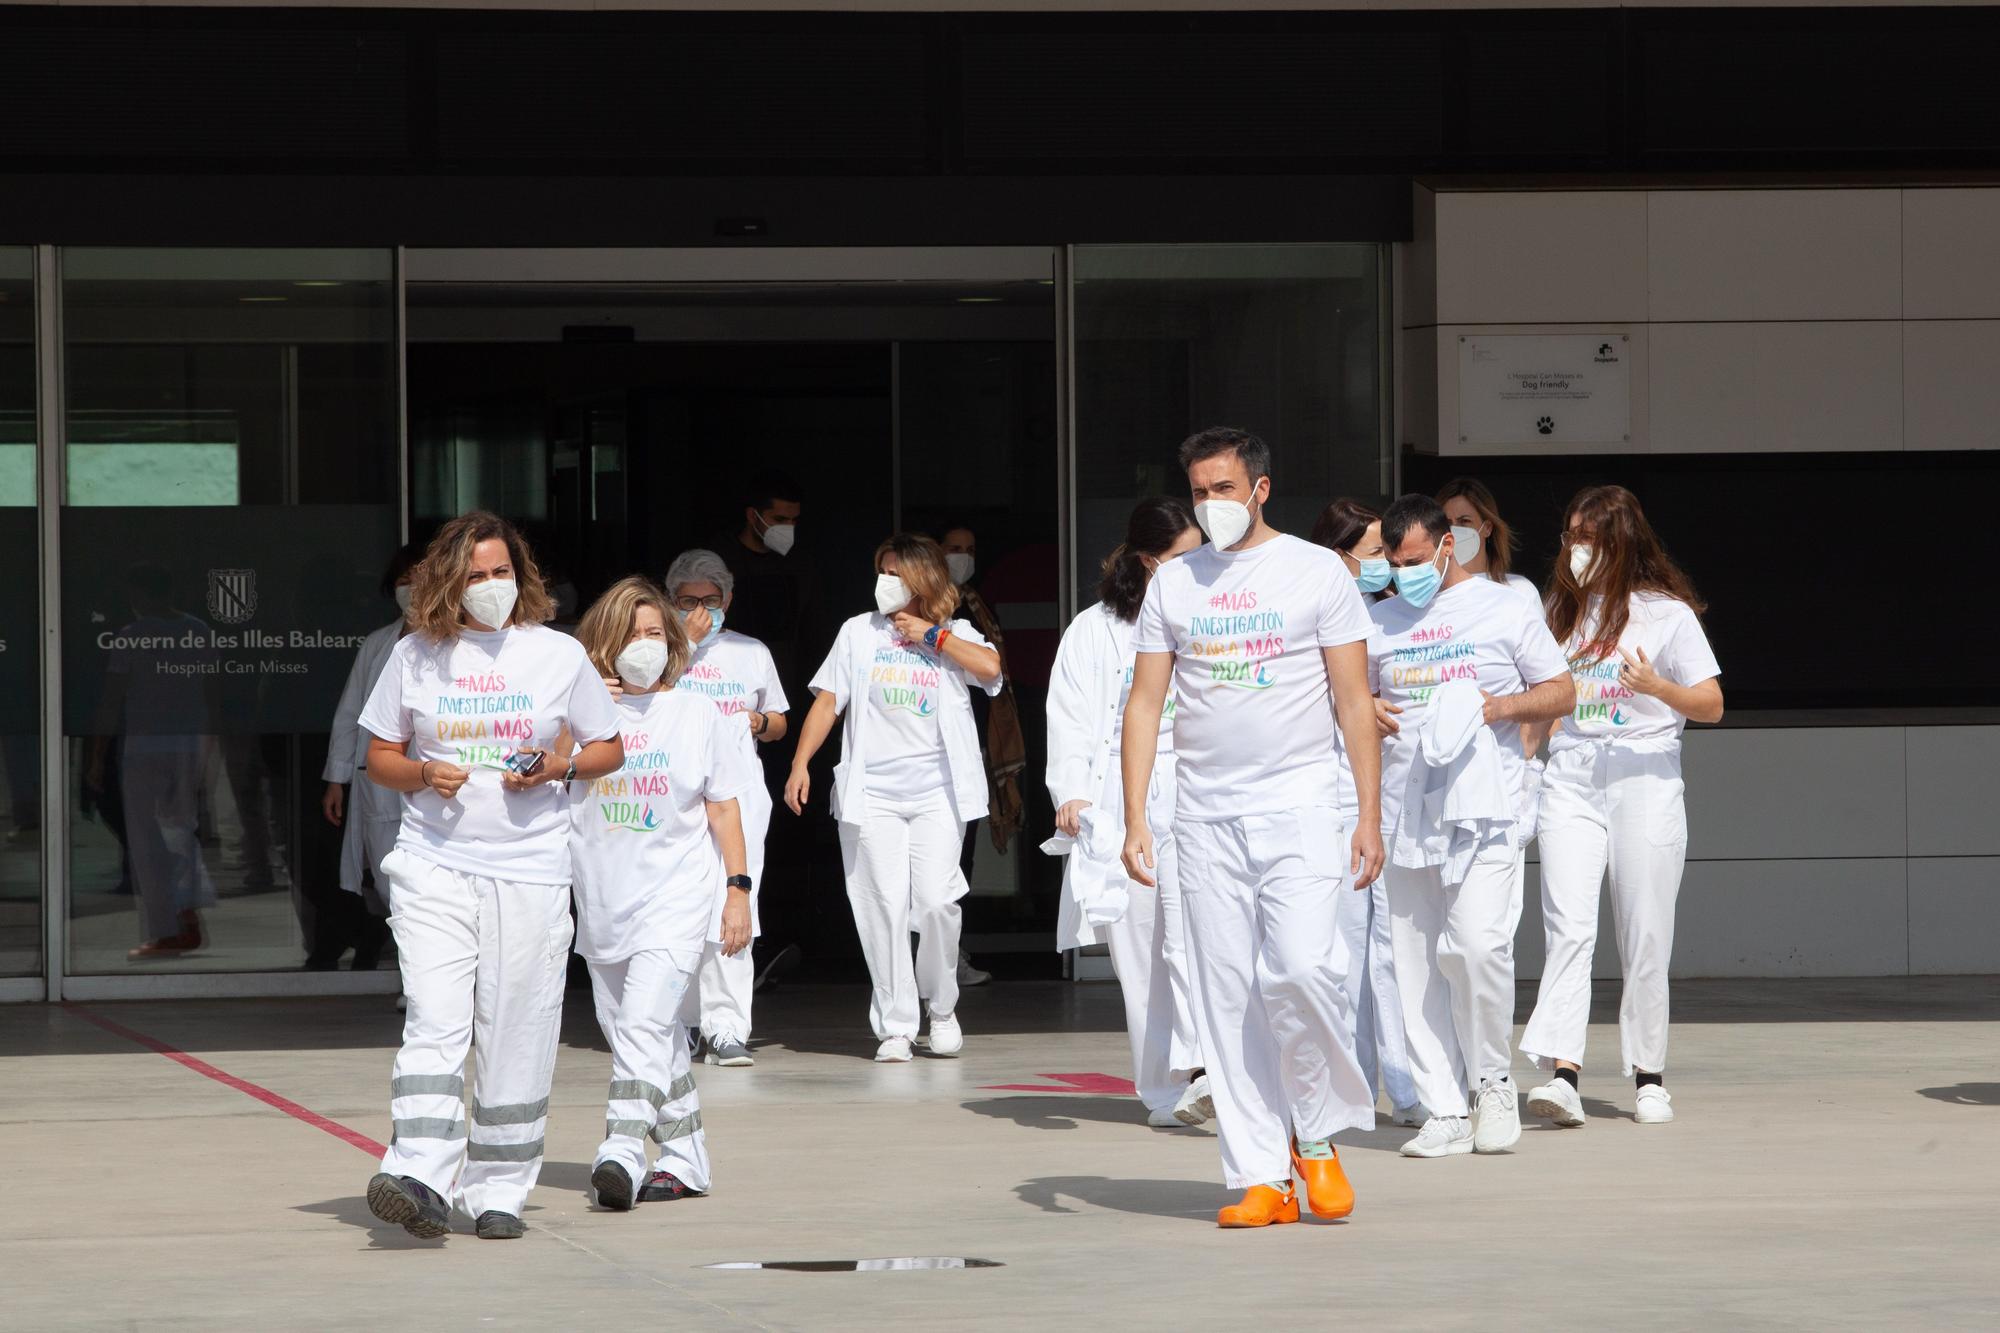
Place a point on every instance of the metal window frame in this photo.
(50, 482)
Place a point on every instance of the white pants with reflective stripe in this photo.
(1149, 955)
(1379, 1043)
(1622, 810)
(483, 962)
(903, 876)
(1271, 965)
(722, 987)
(652, 1090)
(1454, 960)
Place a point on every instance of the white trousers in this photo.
(652, 1089)
(1379, 1044)
(1609, 808)
(1149, 955)
(903, 876)
(1454, 948)
(1270, 963)
(721, 1007)
(483, 963)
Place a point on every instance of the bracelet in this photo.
(943, 638)
(424, 772)
(762, 723)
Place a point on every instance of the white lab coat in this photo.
(1457, 799)
(373, 813)
(961, 734)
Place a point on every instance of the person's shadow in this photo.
(1063, 1112)
(1965, 1094)
(1152, 1198)
(352, 1211)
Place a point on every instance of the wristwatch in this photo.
(931, 637)
(569, 774)
(738, 882)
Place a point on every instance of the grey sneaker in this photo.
(496, 1225)
(968, 975)
(729, 1053)
(410, 1204)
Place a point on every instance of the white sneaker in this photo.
(1496, 1116)
(1166, 1117)
(1196, 1105)
(1556, 1100)
(947, 1037)
(1656, 1107)
(1441, 1136)
(729, 1053)
(893, 1051)
(1411, 1116)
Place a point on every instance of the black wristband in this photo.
(738, 882)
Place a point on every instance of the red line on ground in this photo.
(1102, 1084)
(244, 1086)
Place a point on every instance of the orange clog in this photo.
(1327, 1192)
(1262, 1206)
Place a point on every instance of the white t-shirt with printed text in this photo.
(647, 866)
(1476, 630)
(905, 752)
(1671, 634)
(1254, 729)
(738, 675)
(473, 701)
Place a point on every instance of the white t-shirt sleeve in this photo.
(1344, 617)
(1685, 655)
(591, 712)
(1539, 658)
(965, 629)
(728, 771)
(386, 715)
(831, 678)
(1378, 649)
(770, 692)
(1153, 633)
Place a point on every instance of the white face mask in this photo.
(491, 602)
(960, 565)
(403, 598)
(891, 594)
(1223, 522)
(1465, 544)
(779, 536)
(642, 663)
(1580, 557)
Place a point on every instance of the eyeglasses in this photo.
(691, 604)
(1571, 537)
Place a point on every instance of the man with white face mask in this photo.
(1451, 924)
(1262, 637)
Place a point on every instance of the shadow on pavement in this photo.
(1152, 1198)
(1965, 1094)
(353, 1211)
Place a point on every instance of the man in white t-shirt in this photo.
(1263, 640)
(1451, 925)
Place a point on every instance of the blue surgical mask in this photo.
(1374, 575)
(714, 624)
(1419, 583)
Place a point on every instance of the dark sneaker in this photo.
(496, 1225)
(781, 962)
(410, 1204)
(665, 1187)
(613, 1186)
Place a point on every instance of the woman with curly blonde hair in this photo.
(464, 721)
(657, 844)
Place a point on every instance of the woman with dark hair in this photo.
(366, 813)
(910, 778)
(464, 722)
(1087, 692)
(1353, 531)
(652, 843)
(1630, 621)
(1481, 540)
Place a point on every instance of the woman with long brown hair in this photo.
(1630, 621)
(1481, 539)
(910, 779)
(464, 722)
(655, 844)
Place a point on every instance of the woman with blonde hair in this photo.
(654, 843)
(464, 721)
(909, 780)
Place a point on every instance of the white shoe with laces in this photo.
(1441, 1136)
(1557, 1101)
(1655, 1107)
(1410, 1117)
(947, 1037)
(1164, 1118)
(1496, 1116)
(893, 1051)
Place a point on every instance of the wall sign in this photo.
(1538, 389)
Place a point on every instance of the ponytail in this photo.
(1156, 524)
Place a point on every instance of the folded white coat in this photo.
(1458, 798)
(1098, 882)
